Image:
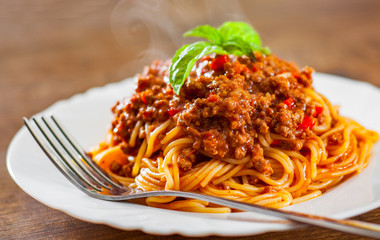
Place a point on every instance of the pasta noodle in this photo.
(149, 158)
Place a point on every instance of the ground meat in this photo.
(335, 138)
(292, 145)
(225, 110)
(186, 159)
(259, 163)
(122, 170)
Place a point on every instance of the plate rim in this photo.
(22, 131)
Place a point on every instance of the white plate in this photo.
(88, 117)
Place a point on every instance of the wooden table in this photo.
(50, 50)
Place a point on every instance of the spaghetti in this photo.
(252, 131)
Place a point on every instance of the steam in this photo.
(164, 22)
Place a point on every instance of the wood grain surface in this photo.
(51, 50)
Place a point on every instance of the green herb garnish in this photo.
(236, 38)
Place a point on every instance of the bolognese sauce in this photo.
(227, 118)
(224, 105)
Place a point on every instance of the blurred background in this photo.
(56, 48)
(53, 49)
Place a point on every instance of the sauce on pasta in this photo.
(249, 130)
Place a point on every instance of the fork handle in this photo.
(345, 225)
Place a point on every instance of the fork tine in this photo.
(57, 158)
(76, 159)
(84, 155)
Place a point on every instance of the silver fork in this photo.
(69, 157)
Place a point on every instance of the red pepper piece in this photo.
(218, 63)
(289, 102)
(307, 123)
(254, 69)
(275, 142)
(318, 110)
(173, 111)
(212, 97)
(143, 97)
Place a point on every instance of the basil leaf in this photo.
(229, 30)
(210, 33)
(265, 50)
(236, 38)
(184, 60)
(239, 47)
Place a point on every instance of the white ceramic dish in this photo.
(88, 116)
